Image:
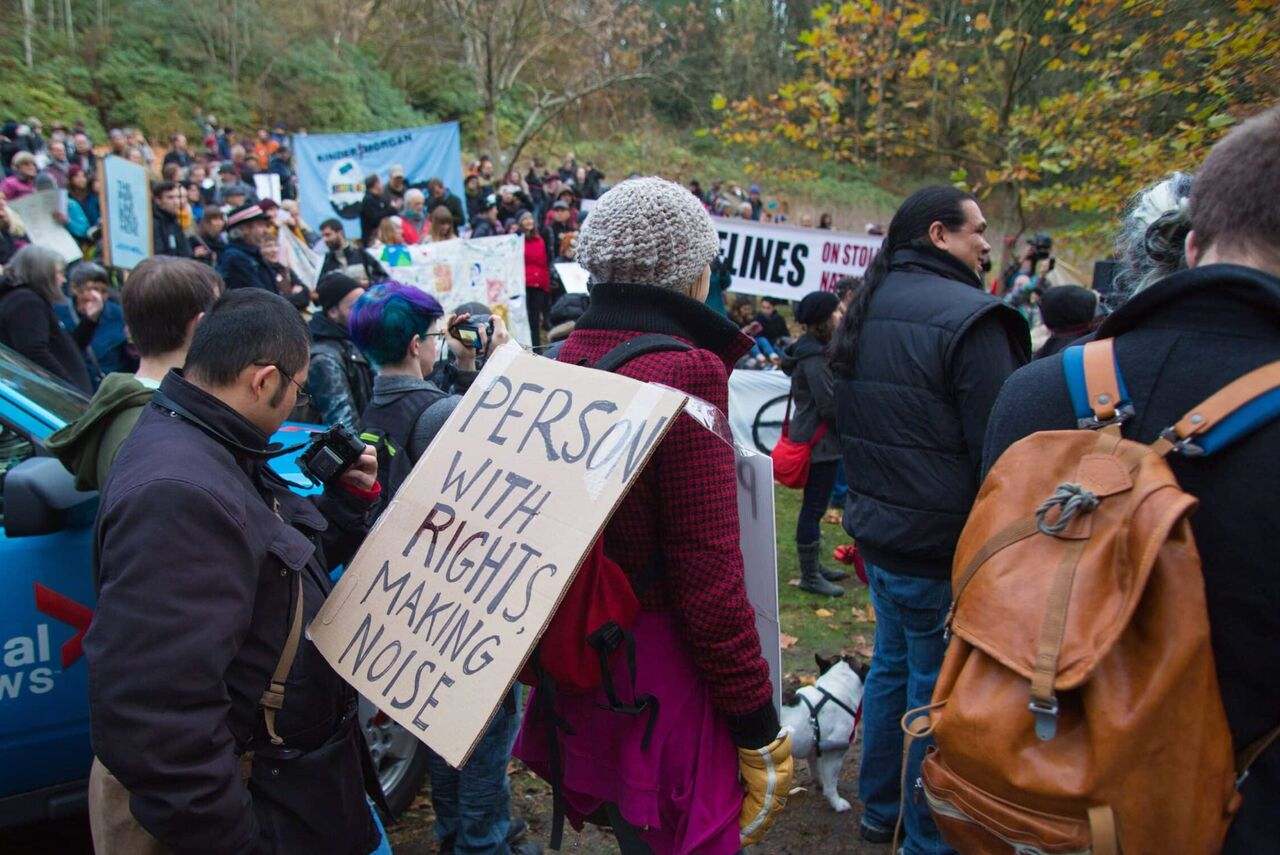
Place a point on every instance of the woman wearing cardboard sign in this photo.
(669, 781)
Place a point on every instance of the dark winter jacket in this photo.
(167, 237)
(352, 256)
(199, 550)
(813, 399)
(1177, 343)
(373, 210)
(773, 327)
(482, 226)
(452, 203)
(684, 503)
(29, 326)
(341, 379)
(241, 265)
(395, 415)
(933, 350)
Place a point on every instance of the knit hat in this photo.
(1068, 306)
(647, 231)
(816, 307)
(333, 287)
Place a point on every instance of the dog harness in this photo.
(814, 709)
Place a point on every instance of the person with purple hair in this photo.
(399, 329)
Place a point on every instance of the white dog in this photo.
(823, 720)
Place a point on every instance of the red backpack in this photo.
(592, 623)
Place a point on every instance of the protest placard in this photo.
(573, 276)
(479, 270)
(760, 556)
(36, 211)
(788, 262)
(126, 213)
(444, 601)
(267, 186)
(299, 257)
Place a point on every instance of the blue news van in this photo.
(46, 603)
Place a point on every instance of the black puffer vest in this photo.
(911, 479)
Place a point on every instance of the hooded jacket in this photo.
(1177, 343)
(813, 400)
(341, 379)
(88, 446)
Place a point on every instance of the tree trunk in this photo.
(71, 29)
(28, 24)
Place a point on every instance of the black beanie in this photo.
(816, 308)
(333, 287)
(1067, 307)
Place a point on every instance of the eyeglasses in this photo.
(304, 397)
(436, 335)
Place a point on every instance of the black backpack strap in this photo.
(637, 347)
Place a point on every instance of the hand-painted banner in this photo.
(481, 270)
(449, 593)
(332, 167)
(37, 212)
(789, 262)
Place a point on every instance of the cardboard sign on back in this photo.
(449, 593)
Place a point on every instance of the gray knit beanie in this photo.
(647, 231)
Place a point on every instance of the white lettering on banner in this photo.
(447, 596)
(789, 262)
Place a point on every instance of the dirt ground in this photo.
(807, 825)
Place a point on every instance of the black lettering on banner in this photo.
(430, 525)
(485, 404)
(384, 575)
(404, 704)
(543, 426)
(495, 437)
(366, 644)
(404, 663)
(799, 253)
(746, 256)
(528, 593)
(430, 613)
(529, 552)
(760, 259)
(747, 478)
(373, 678)
(486, 657)
(625, 425)
(594, 407)
(779, 259)
(514, 482)
(454, 482)
(466, 563)
(444, 680)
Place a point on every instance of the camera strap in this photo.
(272, 449)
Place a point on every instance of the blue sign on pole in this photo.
(332, 167)
(126, 212)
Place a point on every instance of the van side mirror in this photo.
(40, 497)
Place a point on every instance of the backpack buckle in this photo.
(1185, 447)
(1124, 412)
(1046, 715)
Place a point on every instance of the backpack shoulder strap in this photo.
(272, 700)
(1098, 394)
(1228, 415)
(637, 347)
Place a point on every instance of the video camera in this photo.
(330, 453)
(468, 331)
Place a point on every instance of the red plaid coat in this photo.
(684, 503)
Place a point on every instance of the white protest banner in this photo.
(36, 211)
(126, 213)
(299, 257)
(787, 261)
(757, 403)
(479, 270)
(760, 556)
(441, 606)
(573, 276)
(267, 186)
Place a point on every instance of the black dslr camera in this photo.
(468, 331)
(330, 453)
(1041, 247)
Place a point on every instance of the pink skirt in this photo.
(682, 792)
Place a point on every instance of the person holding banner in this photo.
(676, 536)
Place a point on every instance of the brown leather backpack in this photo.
(1077, 709)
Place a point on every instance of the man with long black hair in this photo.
(918, 362)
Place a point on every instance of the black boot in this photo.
(811, 575)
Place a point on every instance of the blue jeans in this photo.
(840, 490)
(473, 804)
(763, 348)
(910, 613)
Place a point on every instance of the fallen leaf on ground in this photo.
(823, 613)
(786, 642)
(807, 679)
(864, 615)
(795, 583)
(863, 647)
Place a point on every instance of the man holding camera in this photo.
(216, 724)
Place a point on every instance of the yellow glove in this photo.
(766, 775)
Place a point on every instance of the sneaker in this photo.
(874, 833)
(833, 516)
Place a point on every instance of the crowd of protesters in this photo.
(907, 386)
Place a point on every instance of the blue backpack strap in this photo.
(1095, 386)
(1227, 416)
